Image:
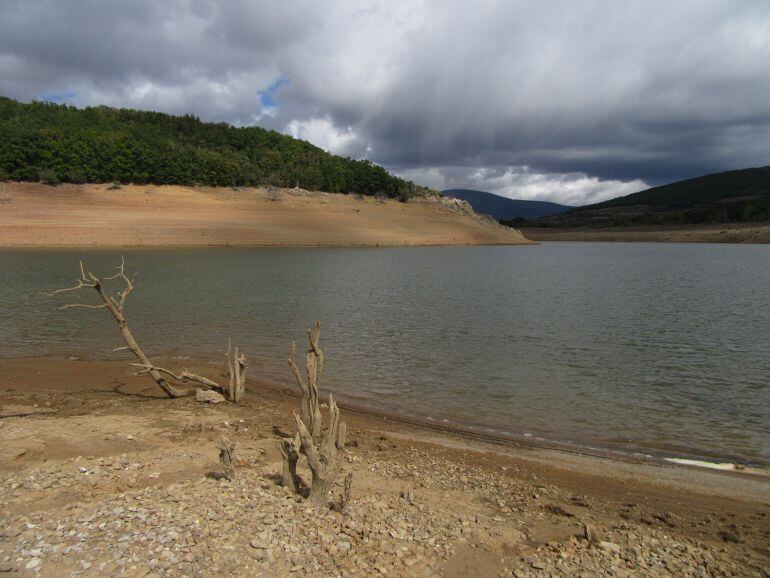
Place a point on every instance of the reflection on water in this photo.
(658, 347)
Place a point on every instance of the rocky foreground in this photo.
(118, 482)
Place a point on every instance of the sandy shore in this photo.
(724, 233)
(95, 216)
(105, 476)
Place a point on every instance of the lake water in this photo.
(654, 348)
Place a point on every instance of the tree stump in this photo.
(227, 457)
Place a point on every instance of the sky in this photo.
(572, 102)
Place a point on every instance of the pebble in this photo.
(251, 526)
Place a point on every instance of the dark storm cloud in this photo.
(556, 99)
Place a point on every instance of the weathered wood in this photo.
(342, 435)
(320, 450)
(347, 489)
(227, 457)
(290, 456)
(321, 457)
(314, 361)
(116, 306)
(236, 365)
(24, 413)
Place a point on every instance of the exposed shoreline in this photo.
(480, 433)
(467, 429)
(96, 216)
(105, 474)
(734, 233)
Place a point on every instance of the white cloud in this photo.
(322, 133)
(524, 183)
(593, 96)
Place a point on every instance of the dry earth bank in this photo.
(104, 477)
(98, 216)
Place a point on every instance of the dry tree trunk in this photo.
(321, 451)
(237, 368)
(226, 457)
(346, 492)
(322, 457)
(116, 306)
(314, 362)
(290, 455)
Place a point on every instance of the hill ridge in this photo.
(55, 142)
(504, 208)
(735, 196)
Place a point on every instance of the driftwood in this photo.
(117, 305)
(226, 457)
(320, 450)
(289, 477)
(26, 412)
(346, 492)
(314, 362)
(236, 365)
(321, 457)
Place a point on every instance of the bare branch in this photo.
(295, 370)
(80, 285)
(116, 306)
(184, 377)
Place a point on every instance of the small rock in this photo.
(208, 396)
(610, 547)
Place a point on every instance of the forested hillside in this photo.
(59, 143)
(741, 196)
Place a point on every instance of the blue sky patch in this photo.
(266, 96)
(58, 97)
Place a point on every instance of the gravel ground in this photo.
(123, 486)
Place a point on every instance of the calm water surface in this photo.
(658, 348)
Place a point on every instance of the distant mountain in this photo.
(730, 197)
(503, 208)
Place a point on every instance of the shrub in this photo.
(76, 176)
(48, 177)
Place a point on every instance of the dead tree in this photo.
(322, 456)
(314, 362)
(289, 477)
(226, 457)
(116, 306)
(320, 450)
(236, 365)
(346, 492)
